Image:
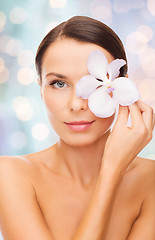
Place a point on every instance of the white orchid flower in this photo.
(103, 80)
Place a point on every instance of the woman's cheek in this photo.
(105, 123)
(54, 100)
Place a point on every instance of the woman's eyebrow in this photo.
(56, 75)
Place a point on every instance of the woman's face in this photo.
(65, 62)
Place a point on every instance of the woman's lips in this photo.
(79, 126)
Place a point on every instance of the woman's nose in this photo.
(77, 103)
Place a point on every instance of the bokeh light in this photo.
(146, 88)
(22, 108)
(2, 64)
(2, 21)
(17, 15)
(40, 131)
(147, 31)
(58, 4)
(147, 61)
(13, 47)
(136, 42)
(26, 76)
(4, 74)
(151, 6)
(102, 13)
(26, 58)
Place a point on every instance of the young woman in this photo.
(90, 185)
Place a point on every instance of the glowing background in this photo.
(24, 127)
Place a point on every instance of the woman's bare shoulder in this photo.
(23, 162)
(19, 208)
(28, 165)
(141, 176)
(146, 171)
(16, 164)
(146, 164)
(7, 162)
(15, 169)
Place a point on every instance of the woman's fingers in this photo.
(125, 143)
(142, 119)
(136, 116)
(148, 115)
(123, 115)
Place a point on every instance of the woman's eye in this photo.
(58, 84)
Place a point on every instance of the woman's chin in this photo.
(80, 144)
(80, 141)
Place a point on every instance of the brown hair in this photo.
(83, 29)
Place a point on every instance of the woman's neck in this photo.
(82, 164)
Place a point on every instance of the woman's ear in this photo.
(126, 75)
(38, 80)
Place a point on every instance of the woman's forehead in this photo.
(67, 53)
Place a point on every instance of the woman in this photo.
(90, 185)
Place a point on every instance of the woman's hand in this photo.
(124, 143)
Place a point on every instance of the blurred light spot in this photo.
(147, 31)
(26, 76)
(151, 6)
(2, 21)
(25, 58)
(17, 15)
(102, 13)
(35, 78)
(58, 4)
(4, 75)
(147, 61)
(121, 6)
(18, 140)
(50, 26)
(2, 64)
(136, 42)
(40, 131)
(13, 47)
(22, 108)
(3, 41)
(125, 6)
(147, 90)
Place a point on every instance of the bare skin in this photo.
(63, 201)
(90, 185)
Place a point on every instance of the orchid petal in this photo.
(97, 64)
(100, 103)
(86, 85)
(125, 92)
(114, 68)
